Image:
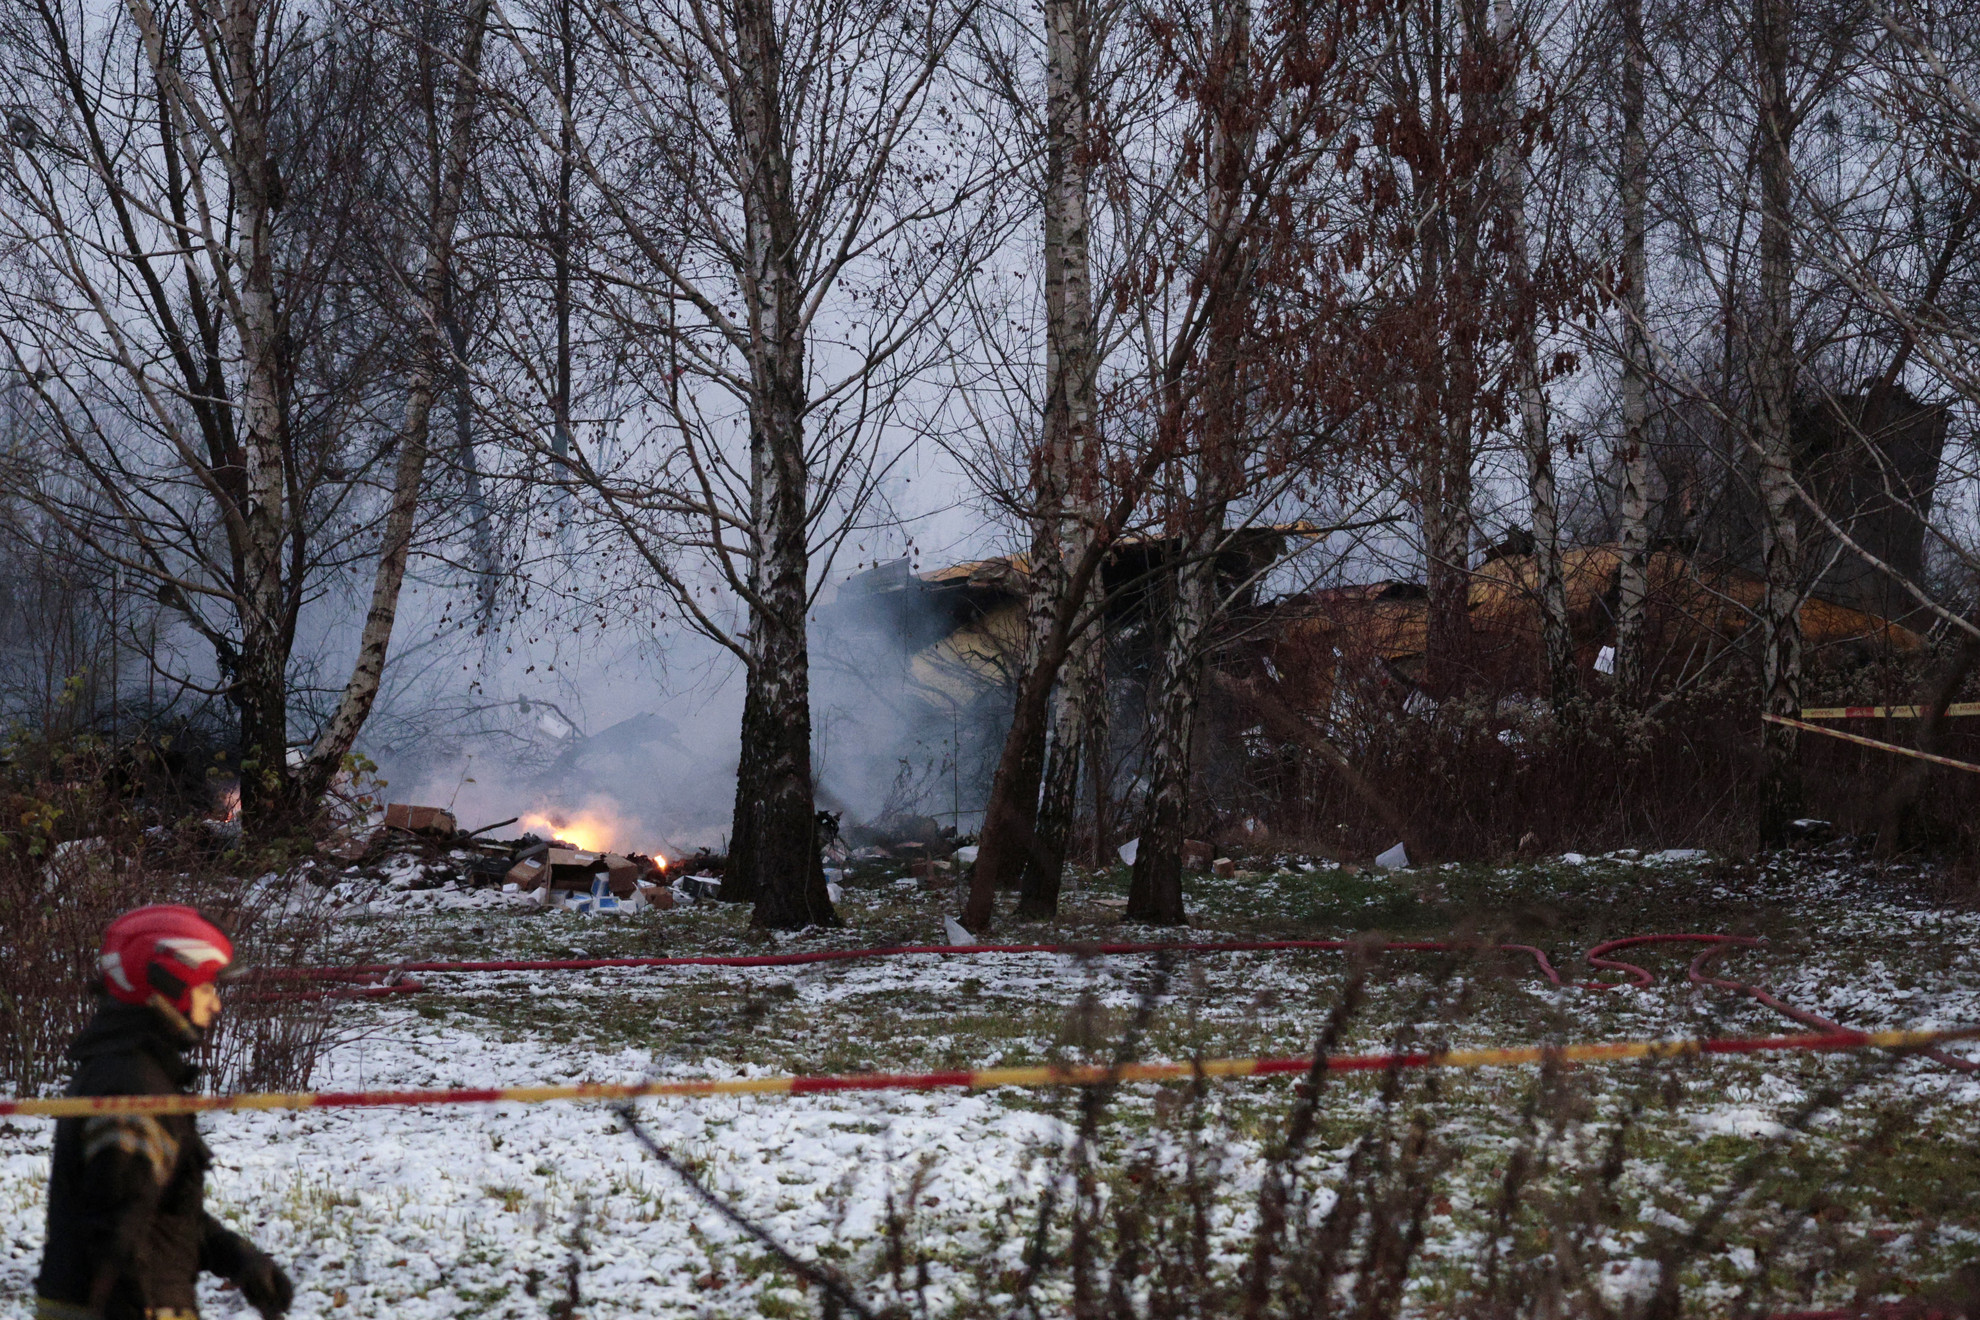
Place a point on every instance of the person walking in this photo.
(128, 1231)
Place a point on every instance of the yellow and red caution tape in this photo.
(1861, 741)
(1883, 712)
(985, 1078)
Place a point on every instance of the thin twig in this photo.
(827, 1279)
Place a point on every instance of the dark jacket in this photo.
(128, 1230)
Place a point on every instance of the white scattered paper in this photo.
(1130, 850)
(1605, 660)
(1393, 860)
(966, 856)
(954, 930)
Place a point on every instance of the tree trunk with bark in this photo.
(1008, 831)
(481, 531)
(787, 874)
(739, 867)
(1155, 889)
(430, 369)
(259, 693)
(1633, 573)
(1556, 639)
(1447, 528)
(1094, 745)
(1444, 394)
(1079, 694)
(1773, 377)
(1013, 851)
(1155, 892)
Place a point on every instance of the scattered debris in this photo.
(433, 822)
(955, 932)
(1395, 859)
(1130, 850)
(900, 835)
(599, 898)
(1223, 868)
(699, 888)
(1197, 855)
(348, 845)
(570, 871)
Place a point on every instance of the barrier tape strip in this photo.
(986, 1078)
(1883, 712)
(1870, 742)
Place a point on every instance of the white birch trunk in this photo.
(1061, 480)
(1773, 377)
(1633, 577)
(1155, 890)
(430, 369)
(789, 879)
(1556, 640)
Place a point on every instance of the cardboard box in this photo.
(435, 821)
(570, 871)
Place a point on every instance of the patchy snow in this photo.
(471, 1211)
(1737, 1121)
(450, 1211)
(1629, 1280)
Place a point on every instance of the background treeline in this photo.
(639, 311)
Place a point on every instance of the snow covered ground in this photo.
(481, 1210)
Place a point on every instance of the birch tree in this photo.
(1633, 190)
(784, 208)
(1254, 402)
(1510, 49)
(204, 301)
(1065, 498)
(1773, 374)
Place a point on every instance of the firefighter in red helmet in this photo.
(128, 1232)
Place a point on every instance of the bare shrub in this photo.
(271, 1041)
(1377, 1196)
(52, 914)
(73, 857)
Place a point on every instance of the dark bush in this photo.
(74, 854)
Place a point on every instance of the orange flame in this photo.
(582, 830)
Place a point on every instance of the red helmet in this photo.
(163, 949)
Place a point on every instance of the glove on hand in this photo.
(265, 1286)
